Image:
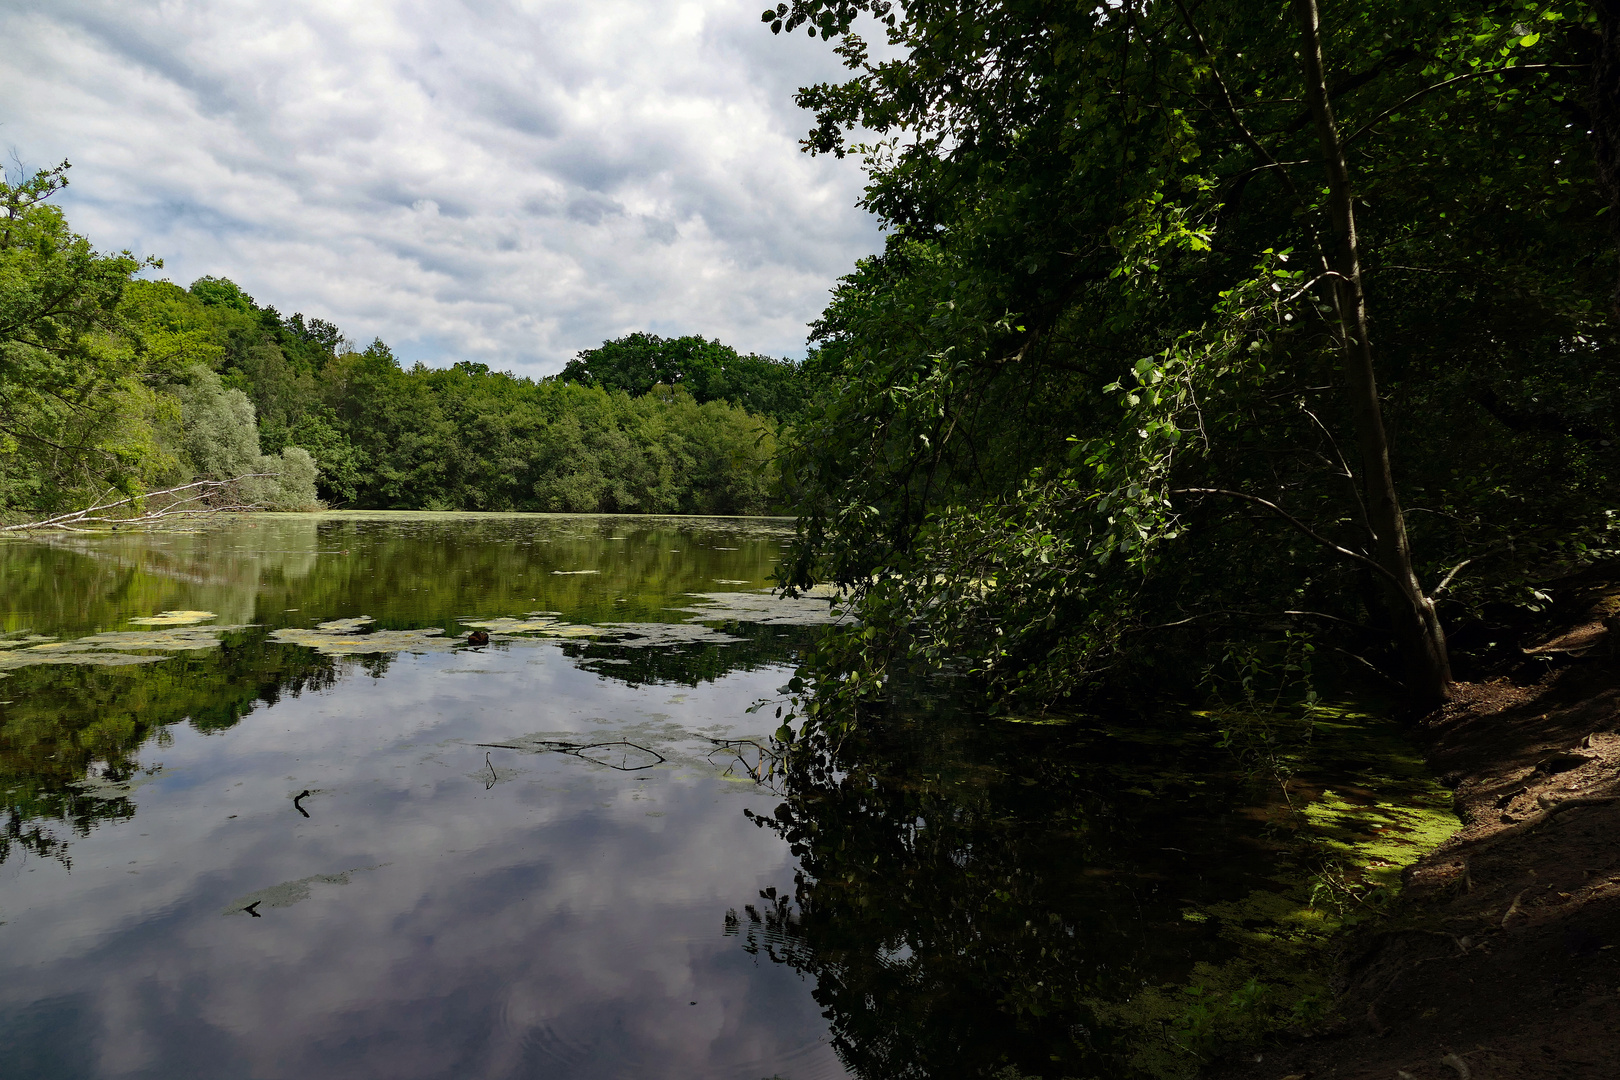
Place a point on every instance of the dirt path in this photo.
(1503, 960)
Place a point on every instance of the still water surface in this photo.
(288, 830)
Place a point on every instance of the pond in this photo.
(270, 814)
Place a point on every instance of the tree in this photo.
(72, 399)
(1114, 374)
(708, 370)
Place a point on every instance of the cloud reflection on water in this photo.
(556, 924)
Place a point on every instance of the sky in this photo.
(504, 181)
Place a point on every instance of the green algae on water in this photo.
(175, 618)
(354, 637)
(1355, 807)
(112, 649)
(288, 893)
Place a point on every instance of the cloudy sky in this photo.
(499, 180)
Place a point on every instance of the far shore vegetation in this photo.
(113, 385)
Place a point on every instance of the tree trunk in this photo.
(1423, 642)
(1606, 112)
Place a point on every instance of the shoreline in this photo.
(1501, 959)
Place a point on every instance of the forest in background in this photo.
(113, 384)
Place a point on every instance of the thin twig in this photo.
(1393, 109)
(1292, 520)
(577, 750)
(1440, 588)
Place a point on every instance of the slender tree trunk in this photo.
(1606, 112)
(1428, 666)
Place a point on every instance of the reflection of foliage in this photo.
(689, 665)
(405, 571)
(70, 736)
(775, 932)
(1069, 899)
(63, 725)
(964, 892)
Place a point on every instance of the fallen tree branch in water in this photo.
(760, 770)
(179, 507)
(551, 746)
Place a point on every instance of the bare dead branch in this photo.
(177, 507)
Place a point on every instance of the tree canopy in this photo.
(69, 380)
(708, 370)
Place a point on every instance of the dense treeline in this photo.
(1206, 325)
(464, 437)
(109, 383)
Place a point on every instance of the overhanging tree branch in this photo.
(1340, 549)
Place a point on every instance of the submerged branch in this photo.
(555, 746)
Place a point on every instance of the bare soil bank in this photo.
(1502, 960)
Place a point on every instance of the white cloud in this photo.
(501, 180)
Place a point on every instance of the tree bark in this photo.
(1606, 112)
(1423, 642)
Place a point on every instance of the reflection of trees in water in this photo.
(964, 889)
(70, 734)
(405, 572)
(689, 665)
(433, 572)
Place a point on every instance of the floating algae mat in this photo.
(768, 608)
(175, 618)
(113, 649)
(358, 635)
(544, 624)
(1354, 807)
(355, 636)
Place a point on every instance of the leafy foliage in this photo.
(708, 370)
(72, 396)
(1085, 418)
